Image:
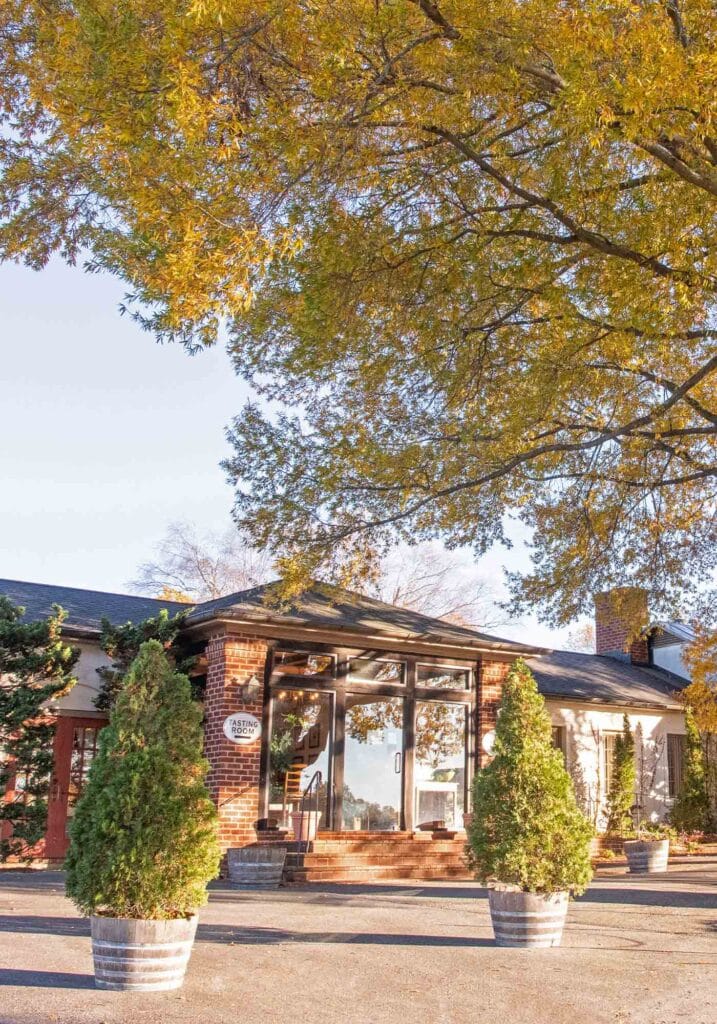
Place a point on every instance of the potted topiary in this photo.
(527, 839)
(144, 834)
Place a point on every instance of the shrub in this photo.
(527, 829)
(36, 668)
(144, 835)
(691, 810)
(622, 785)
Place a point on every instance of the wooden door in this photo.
(74, 747)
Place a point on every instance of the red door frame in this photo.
(56, 840)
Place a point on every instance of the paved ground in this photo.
(636, 951)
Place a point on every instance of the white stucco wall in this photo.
(80, 700)
(670, 658)
(585, 726)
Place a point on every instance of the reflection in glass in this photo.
(299, 746)
(303, 663)
(443, 676)
(371, 671)
(439, 775)
(373, 763)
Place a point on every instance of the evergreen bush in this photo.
(621, 797)
(36, 668)
(527, 829)
(691, 811)
(144, 834)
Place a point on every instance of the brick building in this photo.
(380, 713)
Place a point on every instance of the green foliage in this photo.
(36, 668)
(621, 797)
(527, 829)
(144, 834)
(122, 644)
(471, 246)
(691, 810)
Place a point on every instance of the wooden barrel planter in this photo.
(527, 919)
(141, 956)
(647, 856)
(256, 867)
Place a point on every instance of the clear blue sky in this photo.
(107, 437)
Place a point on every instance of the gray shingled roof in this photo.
(85, 608)
(322, 606)
(604, 680)
(333, 607)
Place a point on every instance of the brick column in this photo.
(234, 774)
(491, 676)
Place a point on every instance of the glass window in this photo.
(440, 769)
(370, 671)
(609, 740)
(675, 755)
(84, 748)
(303, 663)
(560, 740)
(443, 677)
(299, 746)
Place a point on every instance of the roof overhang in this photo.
(276, 626)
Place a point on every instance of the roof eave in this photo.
(249, 618)
(610, 702)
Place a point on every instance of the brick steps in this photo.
(372, 873)
(378, 856)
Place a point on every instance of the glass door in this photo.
(300, 746)
(440, 762)
(373, 763)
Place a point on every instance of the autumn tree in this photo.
(192, 566)
(470, 246)
(442, 584)
(36, 668)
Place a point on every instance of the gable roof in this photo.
(85, 608)
(597, 678)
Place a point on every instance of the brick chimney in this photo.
(620, 619)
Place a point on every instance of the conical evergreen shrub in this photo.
(621, 797)
(691, 811)
(144, 835)
(527, 829)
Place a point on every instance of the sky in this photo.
(107, 437)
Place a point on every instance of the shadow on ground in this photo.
(45, 979)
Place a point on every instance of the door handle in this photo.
(397, 762)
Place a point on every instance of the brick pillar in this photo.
(491, 676)
(234, 774)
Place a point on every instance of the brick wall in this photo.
(491, 676)
(619, 615)
(234, 774)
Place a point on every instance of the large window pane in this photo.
(299, 746)
(439, 776)
(373, 764)
(443, 677)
